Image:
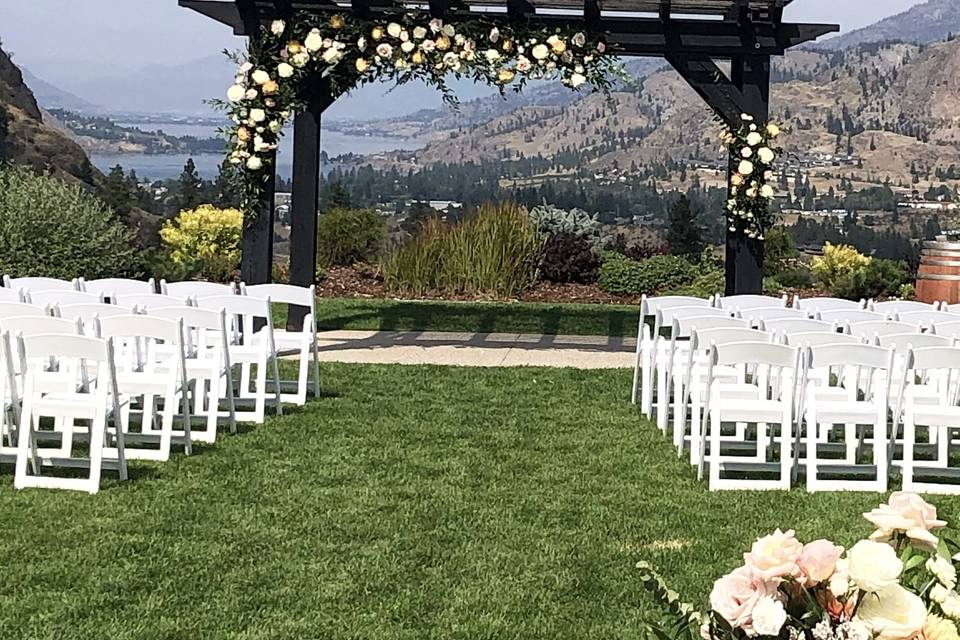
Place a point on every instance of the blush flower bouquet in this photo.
(898, 584)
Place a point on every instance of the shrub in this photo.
(495, 252)
(569, 258)
(642, 251)
(795, 278)
(839, 267)
(621, 276)
(205, 242)
(551, 220)
(345, 236)
(779, 252)
(52, 228)
(707, 284)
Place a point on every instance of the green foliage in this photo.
(116, 192)
(551, 220)
(189, 187)
(907, 292)
(494, 252)
(52, 228)
(779, 251)
(684, 236)
(568, 257)
(205, 242)
(707, 284)
(846, 273)
(345, 236)
(621, 276)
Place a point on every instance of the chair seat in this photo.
(76, 405)
(845, 412)
(749, 409)
(936, 415)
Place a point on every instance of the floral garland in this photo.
(347, 51)
(754, 149)
(900, 583)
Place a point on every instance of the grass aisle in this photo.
(412, 502)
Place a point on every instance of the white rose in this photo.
(523, 65)
(284, 70)
(313, 41)
(540, 51)
(951, 605)
(773, 130)
(331, 55)
(300, 59)
(944, 571)
(769, 616)
(254, 163)
(236, 93)
(494, 34)
(893, 613)
(277, 27)
(362, 44)
(577, 79)
(251, 94)
(492, 55)
(452, 60)
(745, 168)
(939, 593)
(384, 50)
(275, 126)
(746, 152)
(394, 30)
(436, 25)
(261, 77)
(874, 566)
(407, 47)
(419, 33)
(754, 138)
(766, 191)
(448, 30)
(258, 115)
(746, 117)
(428, 45)
(766, 155)
(404, 35)
(246, 67)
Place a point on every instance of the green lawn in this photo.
(410, 502)
(483, 317)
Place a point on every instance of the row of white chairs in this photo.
(158, 357)
(694, 377)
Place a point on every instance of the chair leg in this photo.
(715, 425)
(909, 439)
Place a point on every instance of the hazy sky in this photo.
(46, 35)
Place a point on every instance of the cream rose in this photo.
(258, 115)
(745, 168)
(873, 566)
(906, 513)
(944, 571)
(407, 47)
(384, 50)
(754, 138)
(394, 29)
(735, 595)
(284, 70)
(769, 616)
(766, 155)
(332, 55)
(254, 163)
(540, 51)
(893, 613)
(313, 41)
(577, 79)
(277, 27)
(260, 76)
(818, 561)
(362, 65)
(419, 33)
(766, 191)
(773, 130)
(236, 93)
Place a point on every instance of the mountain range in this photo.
(931, 21)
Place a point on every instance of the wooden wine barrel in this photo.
(938, 278)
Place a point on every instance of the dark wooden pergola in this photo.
(692, 35)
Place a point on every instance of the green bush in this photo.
(621, 276)
(707, 284)
(345, 236)
(795, 278)
(494, 252)
(878, 278)
(51, 228)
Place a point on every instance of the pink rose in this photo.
(775, 556)
(818, 561)
(736, 594)
(906, 513)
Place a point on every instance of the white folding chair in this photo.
(62, 297)
(761, 315)
(88, 313)
(65, 395)
(939, 413)
(11, 295)
(747, 302)
(40, 284)
(208, 366)
(787, 326)
(775, 371)
(196, 289)
(901, 306)
(16, 309)
(865, 374)
(303, 342)
(925, 319)
(250, 347)
(642, 373)
(815, 306)
(151, 365)
(146, 302)
(108, 287)
(844, 317)
(870, 330)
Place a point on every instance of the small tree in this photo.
(189, 187)
(226, 186)
(116, 192)
(684, 236)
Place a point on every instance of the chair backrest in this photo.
(706, 338)
(850, 355)
(904, 342)
(790, 326)
(935, 358)
(203, 328)
(148, 301)
(142, 326)
(873, 328)
(243, 312)
(925, 319)
(110, 287)
(769, 354)
(947, 328)
(87, 314)
(664, 317)
(748, 302)
(650, 305)
(196, 289)
(282, 293)
(843, 317)
(816, 338)
(11, 295)
(684, 326)
(33, 325)
(75, 356)
(759, 316)
(40, 284)
(820, 305)
(58, 345)
(901, 306)
(13, 309)
(63, 297)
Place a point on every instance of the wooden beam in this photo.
(520, 10)
(711, 84)
(306, 191)
(361, 8)
(438, 8)
(591, 15)
(257, 261)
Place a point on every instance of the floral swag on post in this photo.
(348, 51)
(898, 584)
(754, 150)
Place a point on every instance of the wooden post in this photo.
(744, 256)
(257, 262)
(305, 196)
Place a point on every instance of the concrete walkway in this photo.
(476, 349)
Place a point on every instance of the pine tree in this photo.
(116, 192)
(226, 187)
(189, 187)
(684, 236)
(337, 197)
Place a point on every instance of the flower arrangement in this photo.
(754, 150)
(898, 584)
(347, 51)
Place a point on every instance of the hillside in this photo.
(932, 21)
(895, 108)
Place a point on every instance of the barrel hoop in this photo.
(937, 276)
(942, 246)
(935, 252)
(940, 263)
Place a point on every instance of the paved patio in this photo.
(476, 349)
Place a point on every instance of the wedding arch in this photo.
(302, 54)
